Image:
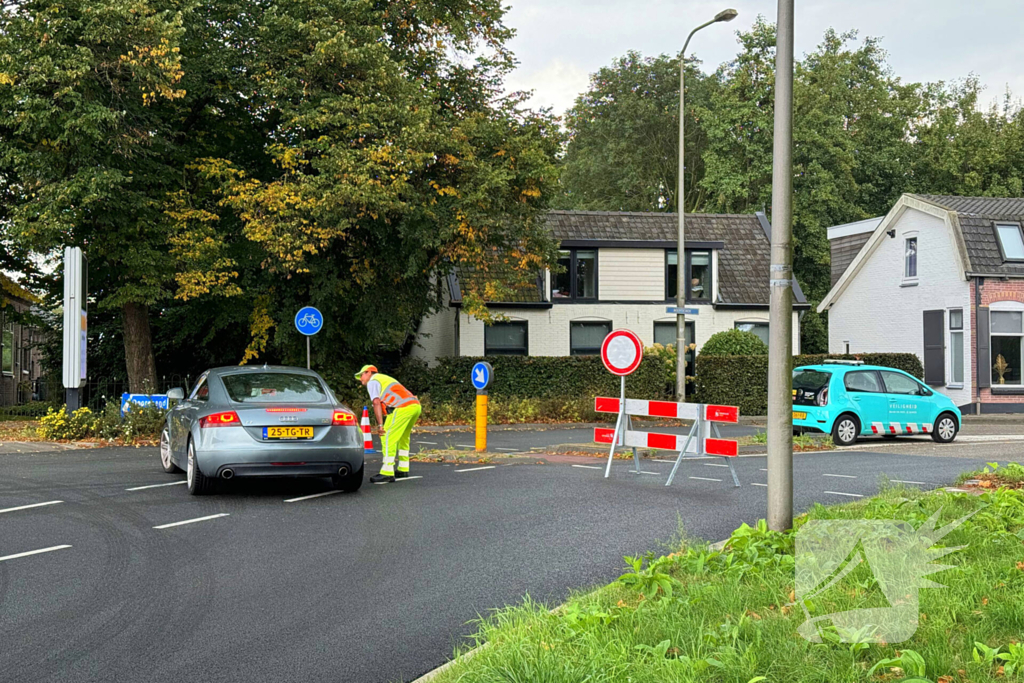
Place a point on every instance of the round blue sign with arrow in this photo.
(481, 375)
(308, 321)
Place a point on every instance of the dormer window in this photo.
(698, 275)
(1011, 241)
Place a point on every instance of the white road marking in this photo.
(705, 479)
(477, 469)
(429, 443)
(511, 450)
(843, 476)
(589, 467)
(405, 478)
(156, 486)
(660, 460)
(764, 469)
(754, 483)
(314, 495)
(712, 464)
(840, 493)
(641, 472)
(34, 552)
(904, 481)
(33, 505)
(191, 521)
(459, 445)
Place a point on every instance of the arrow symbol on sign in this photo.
(480, 376)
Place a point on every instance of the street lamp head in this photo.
(726, 15)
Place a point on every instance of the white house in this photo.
(620, 271)
(941, 277)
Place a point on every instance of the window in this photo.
(578, 279)
(1006, 333)
(956, 346)
(698, 280)
(1011, 242)
(760, 329)
(7, 344)
(910, 258)
(810, 387)
(585, 338)
(274, 387)
(665, 334)
(506, 339)
(201, 391)
(863, 381)
(898, 383)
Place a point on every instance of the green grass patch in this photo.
(728, 616)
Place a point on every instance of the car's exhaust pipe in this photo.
(227, 474)
(343, 471)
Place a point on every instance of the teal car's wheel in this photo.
(845, 430)
(945, 428)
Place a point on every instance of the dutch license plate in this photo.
(287, 432)
(799, 416)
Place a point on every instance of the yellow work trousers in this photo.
(397, 434)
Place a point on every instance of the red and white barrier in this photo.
(670, 409)
(727, 448)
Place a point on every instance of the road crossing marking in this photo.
(33, 505)
(155, 486)
(589, 467)
(843, 476)
(314, 495)
(477, 469)
(840, 493)
(34, 552)
(191, 521)
(705, 479)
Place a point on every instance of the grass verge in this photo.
(699, 615)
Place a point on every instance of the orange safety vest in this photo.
(392, 393)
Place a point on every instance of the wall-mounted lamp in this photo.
(891, 233)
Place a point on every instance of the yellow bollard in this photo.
(481, 422)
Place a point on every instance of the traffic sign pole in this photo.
(481, 376)
(307, 353)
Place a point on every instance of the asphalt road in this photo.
(373, 586)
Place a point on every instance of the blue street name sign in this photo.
(481, 375)
(142, 400)
(674, 310)
(308, 321)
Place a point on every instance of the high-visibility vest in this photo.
(392, 393)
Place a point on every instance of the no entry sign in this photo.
(621, 352)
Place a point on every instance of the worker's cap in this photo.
(365, 368)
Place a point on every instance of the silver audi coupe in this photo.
(268, 421)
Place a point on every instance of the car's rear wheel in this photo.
(165, 453)
(350, 483)
(198, 483)
(845, 430)
(945, 428)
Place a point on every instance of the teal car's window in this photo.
(809, 386)
(898, 383)
(866, 380)
(273, 387)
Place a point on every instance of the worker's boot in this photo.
(399, 474)
(382, 479)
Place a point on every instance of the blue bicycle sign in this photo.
(308, 321)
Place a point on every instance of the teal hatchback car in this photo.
(848, 399)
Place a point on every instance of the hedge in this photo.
(743, 380)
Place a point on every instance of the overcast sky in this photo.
(560, 42)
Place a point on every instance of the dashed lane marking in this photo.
(477, 469)
(713, 464)
(754, 483)
(904, 481)
(705, 479)
(589, 467)
(34, 552)
(191, 521)
(408, 478)
(428, 443)
(510, 450)
(842, 476)
(459, 445)
(641, 472)
(660, 460)
(314, 495)
(840, 493)
(156, 486)
(33, 505)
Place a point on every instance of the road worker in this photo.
(403, 410)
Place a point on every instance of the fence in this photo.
(44, 393)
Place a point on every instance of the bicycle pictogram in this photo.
(310, 320)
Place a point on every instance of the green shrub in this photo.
(734, 343)
(743, 380)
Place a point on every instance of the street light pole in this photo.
(725, 15)
(780, 347)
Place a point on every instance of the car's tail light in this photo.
(228, 419)
(822, 399)
(343, 417)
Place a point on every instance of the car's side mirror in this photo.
(175, 394)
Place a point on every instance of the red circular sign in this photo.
(621, 352)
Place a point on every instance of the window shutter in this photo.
(934, 348)
(984, 353)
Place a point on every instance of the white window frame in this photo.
(999, 240)
(910, 280)
(1005, 307)
(953, 383)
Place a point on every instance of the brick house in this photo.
(942, 277)
(20, 358)
(620, 270)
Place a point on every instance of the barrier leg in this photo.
(732, 470)
(618, 423)
(682, 453)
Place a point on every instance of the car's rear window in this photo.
(273, 387)
(807, 384)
